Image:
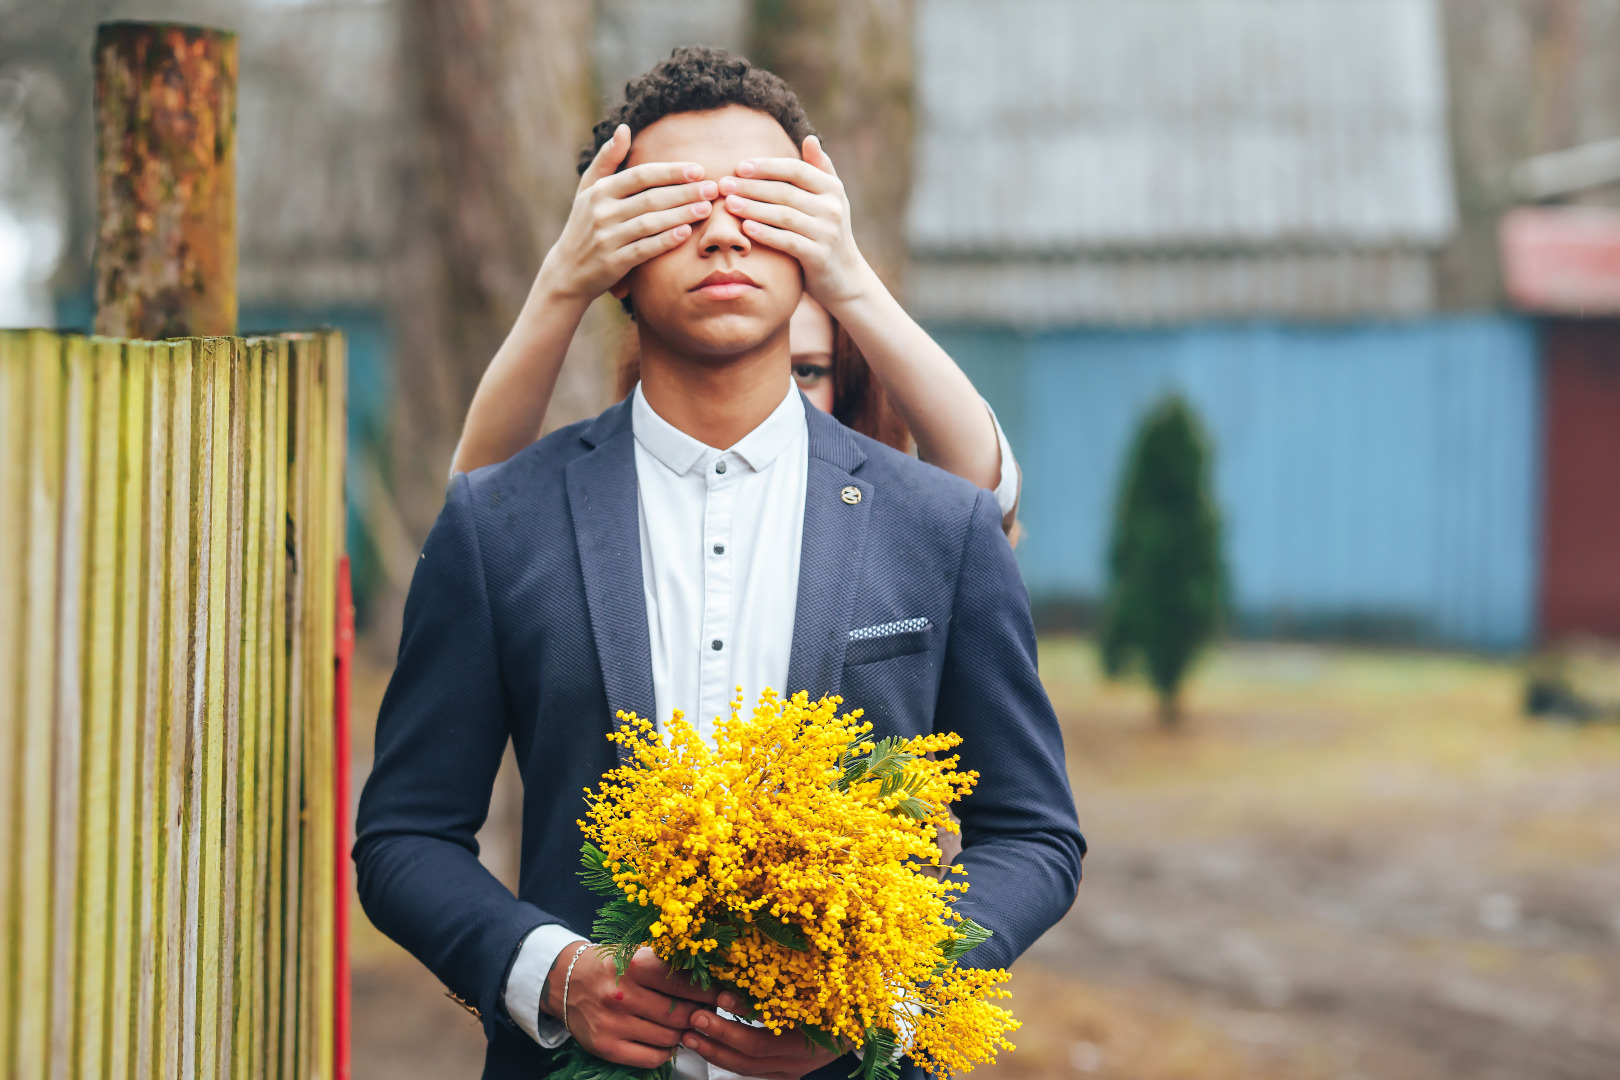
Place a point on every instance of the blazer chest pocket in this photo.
(885, 641)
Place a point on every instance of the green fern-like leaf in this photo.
(878, 1058)
(784, 934)
(963, 939)
(821, 1040)
(577, 1063)
(912, 807)
(595, 873)
(887, 760)
(624, 927)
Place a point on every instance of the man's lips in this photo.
(725, 285)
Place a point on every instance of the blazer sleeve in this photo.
(441, 732)
(1021, 844)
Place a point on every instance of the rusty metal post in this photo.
(166, 180)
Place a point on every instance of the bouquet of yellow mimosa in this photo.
(795, 863)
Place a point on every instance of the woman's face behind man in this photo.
(717, 294)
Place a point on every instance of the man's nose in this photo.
(722, 231)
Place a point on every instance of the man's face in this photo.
(718, 293)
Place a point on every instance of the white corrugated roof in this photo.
(1055, 127)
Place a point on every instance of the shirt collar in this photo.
(679, 452)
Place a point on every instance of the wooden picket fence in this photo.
(171, 520)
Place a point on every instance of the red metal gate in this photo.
(1580, 560)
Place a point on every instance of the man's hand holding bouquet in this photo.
(789, 876)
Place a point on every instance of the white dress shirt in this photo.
(722, 532)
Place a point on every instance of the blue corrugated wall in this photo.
(1372, 479)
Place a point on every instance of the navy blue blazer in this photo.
(526, 621)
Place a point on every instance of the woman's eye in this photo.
(807, 375)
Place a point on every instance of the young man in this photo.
(709, 532)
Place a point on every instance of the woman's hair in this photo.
(859, 400)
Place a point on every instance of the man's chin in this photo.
(721, 338)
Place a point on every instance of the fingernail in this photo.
(733, 203)
(701, 1021)
(708, 190)
(682, 231)
(728, 185)
(745, 168)
(694, 172)
(690, 1042)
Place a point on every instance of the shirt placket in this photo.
(715, 644)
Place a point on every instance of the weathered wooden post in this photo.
(171, 526)
(165, 180)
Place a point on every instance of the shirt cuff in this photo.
(1006, 491)
(524, 982)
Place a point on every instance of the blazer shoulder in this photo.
(530, 470)
(925, 492)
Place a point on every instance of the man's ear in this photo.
(620, 291)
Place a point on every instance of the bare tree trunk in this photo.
(850, 61)
(507, 101)
(166, 180)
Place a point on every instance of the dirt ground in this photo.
(1347, 864)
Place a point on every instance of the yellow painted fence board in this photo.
(173, 518)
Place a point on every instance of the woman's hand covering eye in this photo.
(621, 219)
(800, 208)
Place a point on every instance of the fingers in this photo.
(726, 1058)
(775, 191)
(650, 224)
(608, 158)
(742, 1038)
(817, 156)
(776, 215)
(654, 1005)
(649, 971)
(791, 170)
(668, 197)
(636, 1055)
(783, 240)
(633, 255)
(652, 174)
(636, 1029)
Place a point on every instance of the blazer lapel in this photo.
(833, 559)
(607, 531)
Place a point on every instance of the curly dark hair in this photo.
(697, 78)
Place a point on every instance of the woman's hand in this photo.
(800, 208)
(621, 219)
(637, 1020)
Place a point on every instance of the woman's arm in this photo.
(933, 396)
(510, 403)
(800, 207)
(618, 221)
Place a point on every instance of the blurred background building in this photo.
(1288, 210)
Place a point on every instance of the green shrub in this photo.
(1164, 562)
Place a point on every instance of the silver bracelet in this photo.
(567, 978)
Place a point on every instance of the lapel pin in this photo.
(850, 495)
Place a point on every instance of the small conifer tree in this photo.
(1165, 581)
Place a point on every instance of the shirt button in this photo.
(719, 466)
(719, 549)
(715, 645)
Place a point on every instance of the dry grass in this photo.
(1346, 863)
